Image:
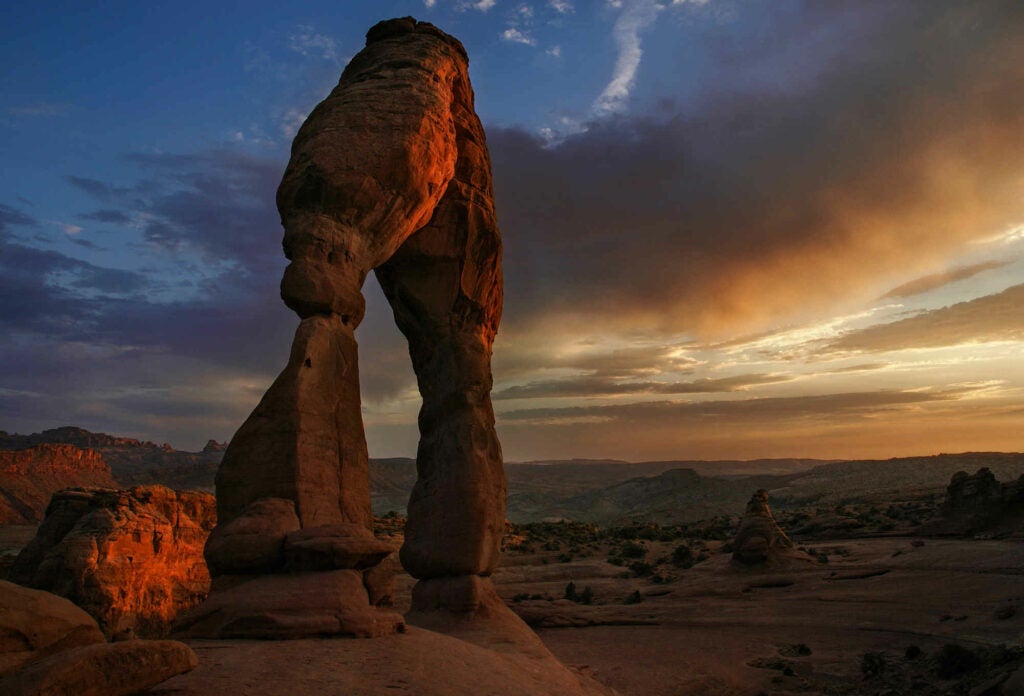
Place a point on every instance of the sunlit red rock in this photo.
(131, 558)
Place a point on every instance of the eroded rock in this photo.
(759, 539)
(389, 173)
(131, 558)
(29, 477)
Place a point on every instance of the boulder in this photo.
(131, 558)
(35, 624)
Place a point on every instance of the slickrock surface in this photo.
(131, 558)
(28, 477)
(389, 173)
(417, 662)
(759, 539)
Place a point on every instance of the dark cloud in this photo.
(816, 407)
(760, 206)
(998, 317)
(938, 280)
(116, 217)
(594, 385)
(12, 216)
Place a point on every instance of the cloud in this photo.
(38, 109)
(760, 208)
(480, 5)
(514, 35)
(636, 16)
(561, 6)
(115, 217)
(596, 385)
(429, 3)
(996, 317)
(291, 122)
(938, 280)
(825, 406)
(306, 41)
(12, 216)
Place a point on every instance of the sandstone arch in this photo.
(390, 173)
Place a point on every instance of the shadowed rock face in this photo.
(390, 173)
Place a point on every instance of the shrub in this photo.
(872, 665)
(682, 556)
(633, 550)
(954, 660)
(634, 598)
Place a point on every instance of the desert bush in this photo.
(641, 568)
(633, 550)
(954, 660)
(872, 665)
(634, 598)
(682, 556)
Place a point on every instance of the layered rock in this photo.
(50, 646)
(28, 477)
(131, 558)
(759, 539)
(389, 173)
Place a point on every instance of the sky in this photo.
(732, 229)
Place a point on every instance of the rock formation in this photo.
(390, 173)
(979, 503)
(759, 539)
(131, 558)
(50, 646)
(28, 478)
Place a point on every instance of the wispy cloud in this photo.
(561, 6)
(636, 16)
(938, 280)
(291, 121)
(480, 5)
(306, 41)
(37, 109)
(429, 3)
(515, 35)
(990, 318)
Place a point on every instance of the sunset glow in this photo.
(732, 229)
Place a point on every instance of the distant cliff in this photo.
(132, 462)
(28, 477)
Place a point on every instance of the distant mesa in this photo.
(131, 558)
(759, 539)
(30, 476)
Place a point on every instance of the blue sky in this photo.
(733, 228)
